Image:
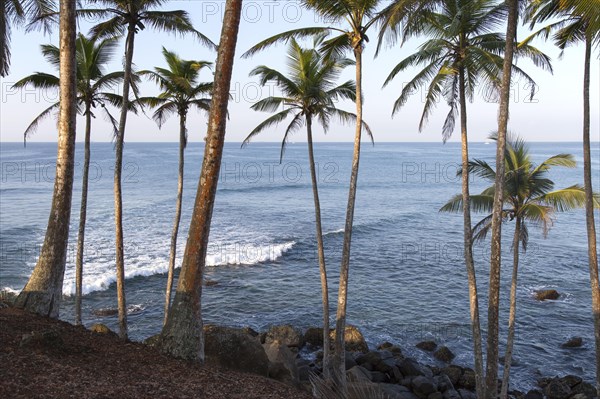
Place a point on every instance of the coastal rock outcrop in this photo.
(545, 295)
(573, 342)
(355, 341)
(235, 349)
(444, 354)
(284, 335)
(282, 363)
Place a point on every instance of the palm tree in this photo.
(182, 336)
(181, 91)
(464, 51)
(529, 198)
(578, 22)
(360, 15)
(128, 18)
(43, 292)
(308, 94)
(91, 59)
(491, 370)
(16, 12)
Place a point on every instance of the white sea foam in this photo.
(100, 273)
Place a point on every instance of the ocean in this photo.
(407, 276)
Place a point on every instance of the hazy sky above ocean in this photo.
(553, 115)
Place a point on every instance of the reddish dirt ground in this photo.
(72, 362)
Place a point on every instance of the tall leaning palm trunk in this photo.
(321, 251)
(468, 237)
(339, 363)
(82, 214)
(589, 206)
(510, 341)
(120, 256)
(43, 292)
(491, 378)
(183, 336)
(173, 253)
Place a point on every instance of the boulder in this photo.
(282, 363)
(584, 388)
(314, 336)
(454, 373)
(467, 380)
(410, 367)
(355, 342)
(358, 374)
(451, 394)
(394, 391)
(443, 382)
(423, 386)
(435, 395)
(284, 335)
(105, 312)
(235, 349)
(573, 342)
(571, 380)
(372, 357)
(545, 295)
(444, 354)
(99, 328)
(349, 360)
(428, 346)
(466, 394)
(579, 396)
(557, 389)
(534, 394)
(378, 376)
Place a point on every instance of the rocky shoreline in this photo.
(292, 356)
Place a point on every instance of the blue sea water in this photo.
(407, 276)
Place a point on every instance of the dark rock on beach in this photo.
(428, 346)
(545, 295)
(574, 342)
(444, 354)
(557, 389)
(284, 335)
(235, 349)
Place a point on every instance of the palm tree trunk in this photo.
(82, 214)
(120, 257)
(43, 292)
(468, 239)
(182, 335)
(513, 311)
(339, 363)
(491, 390)
(4, 39)
(182, 140)
(589, 207)
(321, 251)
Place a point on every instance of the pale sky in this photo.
(554, 115)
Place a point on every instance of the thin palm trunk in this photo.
(468, 239)
(339, 363)
(182, 336)
(117, 184)
(321, 251)
(82, 215)
(513, 311)
(182, 131)
(589, 207)
(491, 391)
(43, 292)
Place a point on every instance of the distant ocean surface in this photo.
(407, 276)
